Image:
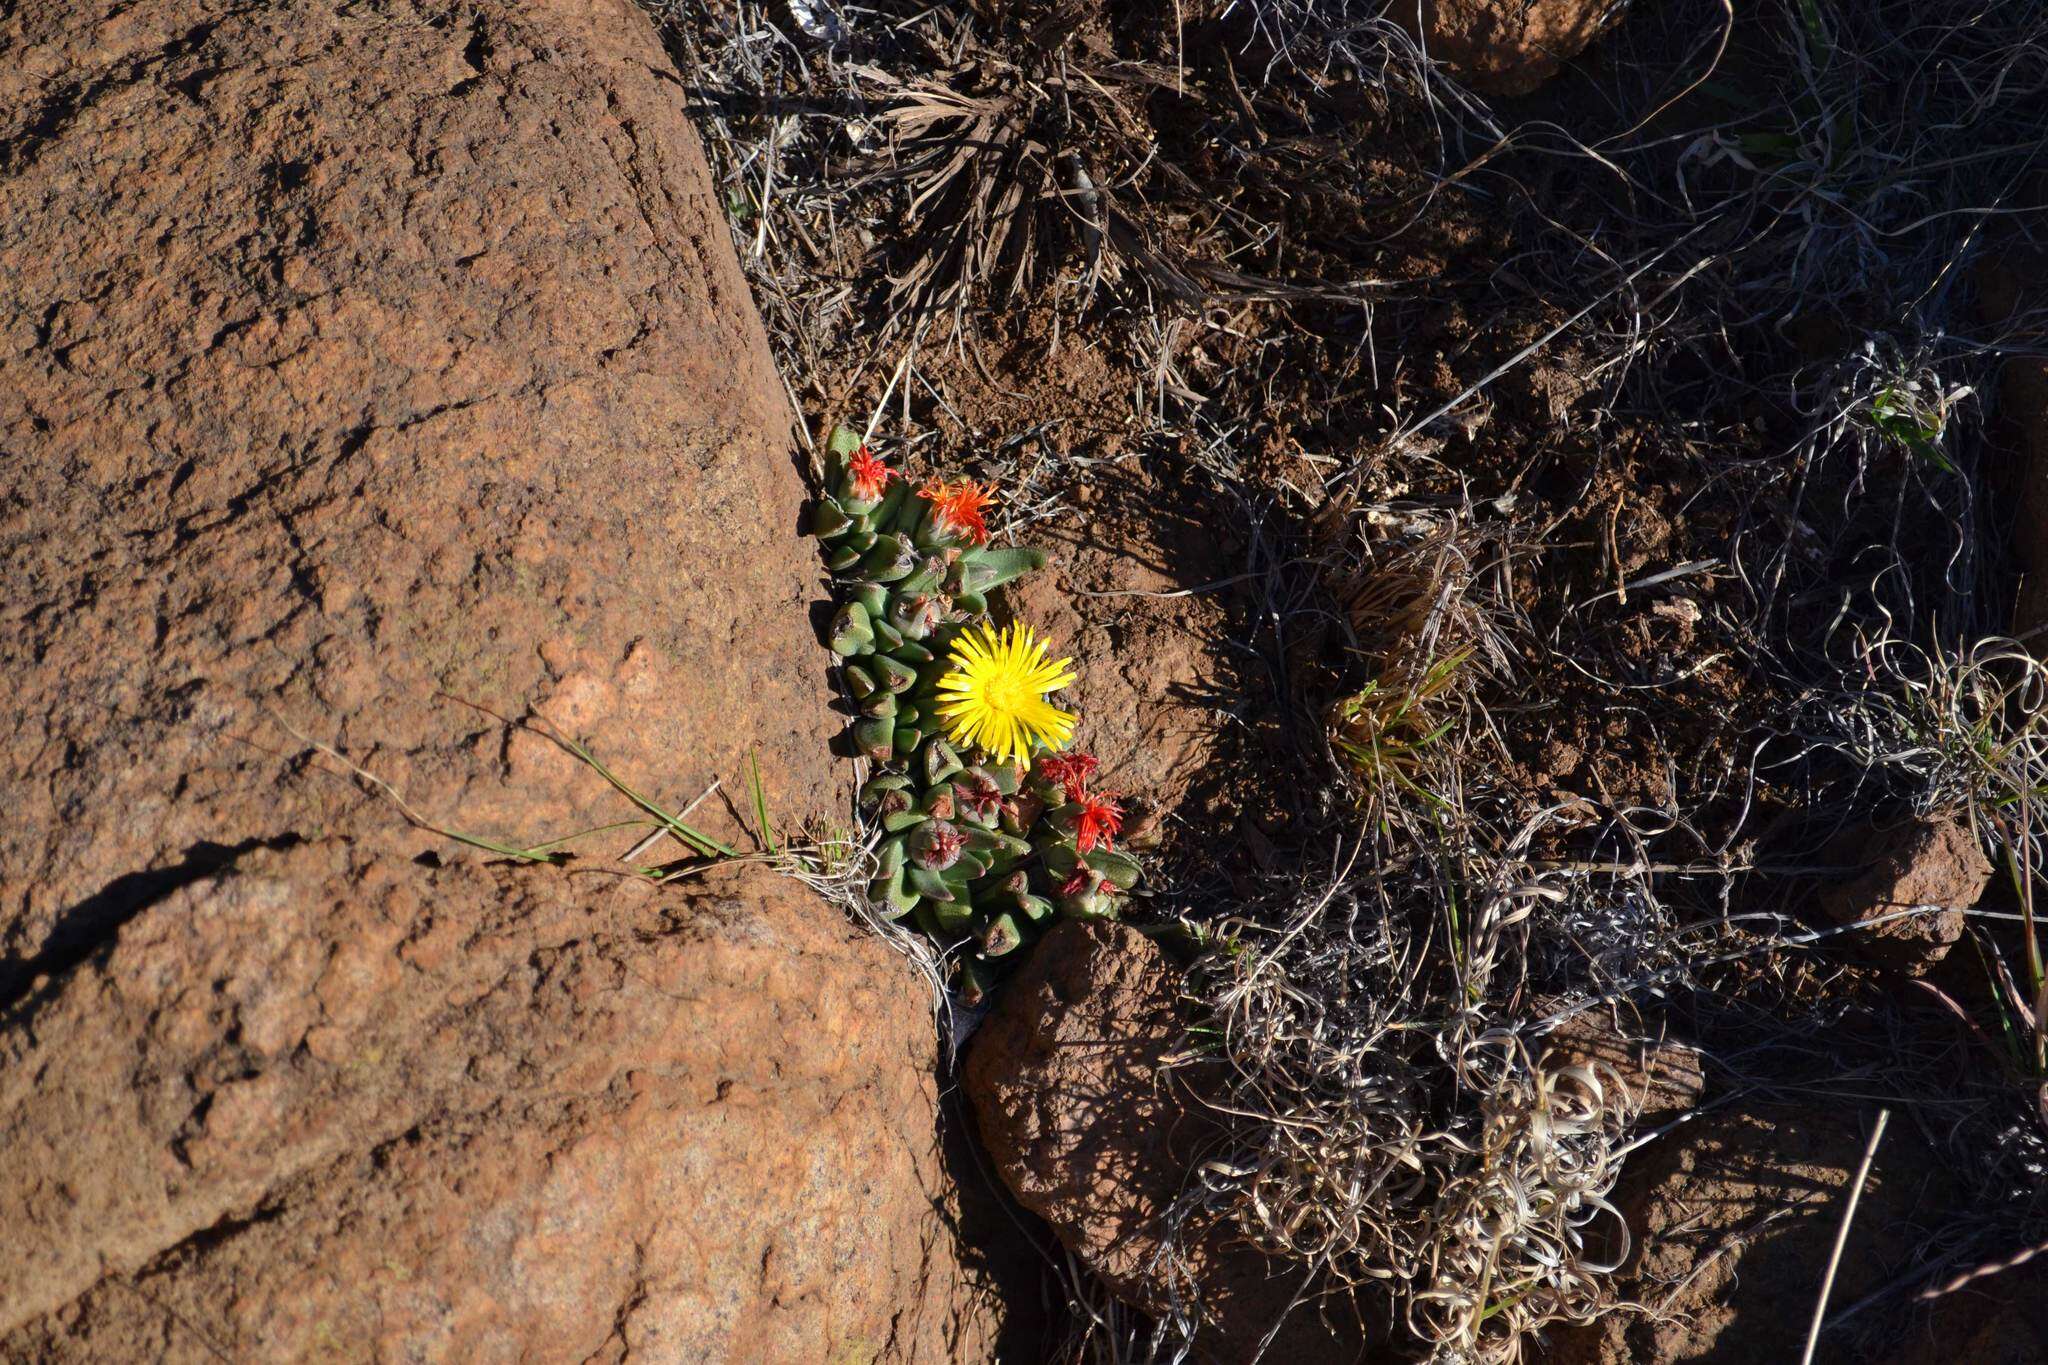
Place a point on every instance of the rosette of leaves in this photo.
(981, 855)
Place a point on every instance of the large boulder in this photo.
(475, 1112)
(358, 356)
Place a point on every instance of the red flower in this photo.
(1076, 884)
(870, 476)
(1099, 820)
(957, 507)
(1070, 773)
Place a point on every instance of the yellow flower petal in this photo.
(994, 693)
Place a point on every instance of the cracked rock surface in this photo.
(357, 355)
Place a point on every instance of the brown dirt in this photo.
(1139, 586)
(2001, 1319)
(1662, 1079)
(1743, 1208)
(2012, 281)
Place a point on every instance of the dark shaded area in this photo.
(83, 929)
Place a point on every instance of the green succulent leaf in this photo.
(892, 558)
(907, 817)
(885, 516)
(889, 673)
(941, 761)
(999, 936)
(975, 983)
(954, 917)
(874, 599)
(891, 899)
(829, 519)
(852, 632)
(881, 784)
(988, 570)
(1120, 868)
(938, 801)
(926, 883)
(875, 738)
(1008, 773)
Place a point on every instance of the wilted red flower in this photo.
(1076, 884)
(935, 845)
(977, 795)
(1099, 820)
(1069, 771)
(870, 476)
(957, 507)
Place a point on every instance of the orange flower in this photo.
(1099, 820)
(957, 507)
(870, 476)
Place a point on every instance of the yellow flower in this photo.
(995, 694)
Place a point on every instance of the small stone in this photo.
(1504, 47)
(1933, 862)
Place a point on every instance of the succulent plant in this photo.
(979, 852)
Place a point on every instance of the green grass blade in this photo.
(761, 824)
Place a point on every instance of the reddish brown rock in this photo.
(1092, 1133)
(481, 1112)
(355, 352)
(1504, 47)
(355, 355)
(1933, 862)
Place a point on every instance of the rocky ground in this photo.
(387, 412)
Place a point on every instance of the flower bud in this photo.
(935, 845)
